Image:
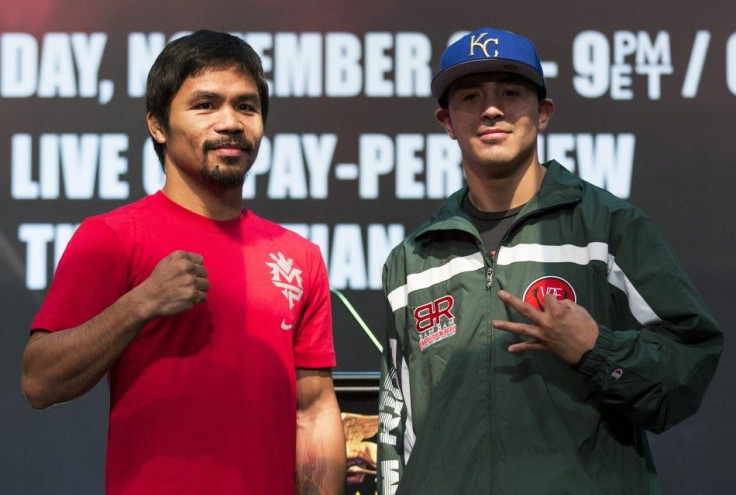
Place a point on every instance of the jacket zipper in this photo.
(514, 225)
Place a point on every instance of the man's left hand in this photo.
(563, 328)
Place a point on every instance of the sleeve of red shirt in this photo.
(313, 345)
(91, 275)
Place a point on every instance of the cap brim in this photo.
(446, 77)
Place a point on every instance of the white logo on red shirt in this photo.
(286, 277)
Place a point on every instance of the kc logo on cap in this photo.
(488, 50)
(481, 41)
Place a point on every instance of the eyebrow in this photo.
(204, 95)
(201, 95)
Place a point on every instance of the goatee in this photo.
(226, 176)
(227, 173)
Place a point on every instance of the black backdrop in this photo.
(353, 159)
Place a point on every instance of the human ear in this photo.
(156, 128)
(443, 117)
(546, 109)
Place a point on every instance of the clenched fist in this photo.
(176, 284)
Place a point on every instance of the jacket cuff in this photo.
(594, 361)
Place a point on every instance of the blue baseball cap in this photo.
(488, 50)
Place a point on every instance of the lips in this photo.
(493, 132)
(229, 147)
(229, 150)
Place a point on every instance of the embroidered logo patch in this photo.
(286, 277)
(435, 321)
(561, 288)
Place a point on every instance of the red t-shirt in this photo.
(204, 401)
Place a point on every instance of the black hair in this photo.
(189, 56)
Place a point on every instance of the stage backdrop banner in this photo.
(354, 160)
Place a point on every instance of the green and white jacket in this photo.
(460, 415)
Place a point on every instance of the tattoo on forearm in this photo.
(311, 476)
(309, 488)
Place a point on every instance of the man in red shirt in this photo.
(212, 325)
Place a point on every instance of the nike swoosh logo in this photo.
(285, 326)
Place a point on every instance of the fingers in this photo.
(195, 258)
(565, 303)
(516, 328)
(200, 272)
(508, 298)
(564, 327)
(524, 309)
(202, 284)
(178, 282)
(523, 330)
(533, 332)
(194, 262)
(530, 345)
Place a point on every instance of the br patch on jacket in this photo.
(434, 321)
(561, 288)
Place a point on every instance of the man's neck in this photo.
(217, 203)
(499, 192)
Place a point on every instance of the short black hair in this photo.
(189, 56)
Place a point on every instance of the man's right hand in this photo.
(177, 283)
(59, 366)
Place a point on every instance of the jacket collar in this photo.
(559, 188)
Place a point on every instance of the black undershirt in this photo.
(492, 225)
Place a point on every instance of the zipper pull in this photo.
(489, 270)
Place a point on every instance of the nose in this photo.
(229, 121)
(491, 108)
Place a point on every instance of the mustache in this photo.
(238, 140)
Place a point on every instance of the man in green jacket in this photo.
(538, 325)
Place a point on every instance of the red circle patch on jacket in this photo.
(561, 288)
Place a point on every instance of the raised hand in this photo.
(177, 283)
(563, 328)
